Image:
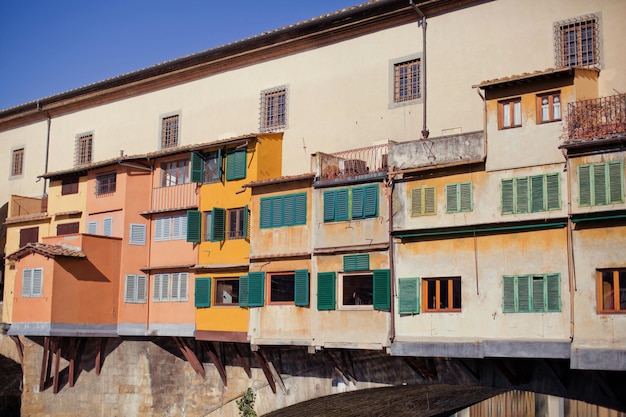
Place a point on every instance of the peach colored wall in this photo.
(172, 312)
(37, 309)
(107, 202)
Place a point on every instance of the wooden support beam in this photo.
(72, 359)
(189, 355)
(57, 363)
(44, 364)
(504, 369)
(465, 367)
(210, 349)
(345, 376)
(421, 368)
(276, 376)
(20, 348)
(266, 370)
(100, 347)
(242, 360)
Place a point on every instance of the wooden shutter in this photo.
(142, 281)
(266, 212)
(67, 228)
(616, 182)
(341, 205)
(236, 164)
(197, 168)
(430, 200)
(175, 287)
(218, 224)
(360, 262)
(370, 202)
(92, 228)
(29, 235)
(357, 202)
(243, 291)
(553, 283)
(107, 226)
(537, 201)
(408, 297)
(538, 303)
(507, 196)
(256, 286)
(156, 291)
(219, 164)
(27, 283)
(301, 287)
(300, 209)
(465, 196)
(553, 191)
(382, 289)
(508, 294)
(131, 288)
(194, 226)
(599, 184)
(246, 222)
(584, 185)
(329, 206)
(416, 202)
(37, 290)
(523, 293)
(280, 212)
(137, 234)
(326, 290)
(521, 195)
(452, 201)
(202, 292)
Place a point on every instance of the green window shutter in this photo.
(278, 204)
(553, 191)
(246, 221)
(521, 195)
(416, 202)
(584, 185)
(301, 287)
(465, 196)
(288, 210)
(508, 294)
(326, 290)
(219, 163)
(236, 164)
(203, 292)
(218, 224)
(329, 206)
(452, 200)
(256, 289)
(408, 297)
(537, 200)
(370, 202)
(616, 182)
(430, 203)
(360, 262)
(266, 212)
(243, 291)
(599, 184)
(300, 209)
(538, 303)
(507, 196)
(382, 289)
(197, 168)
(341, 205)
(357, 202)
(523, 293)
(554, 292)
(194, 226)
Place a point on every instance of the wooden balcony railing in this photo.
(24, 206)
(351, 163)
(596, 119)
(175, 197)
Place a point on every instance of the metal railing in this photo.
(350, 163)
(596, 119)
(174, 197)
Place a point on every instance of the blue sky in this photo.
(51, 46)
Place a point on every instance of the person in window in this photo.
(356, 300)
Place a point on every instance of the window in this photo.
(289, 287)
(284, 210)
(238, 223)
(207, 226)
(207, 168)
(549, 107)
(531, 293)
(69, 186)
(577, 42)
(612, 291)
(67, 228)
(236, 164)
(510, 113)
(226, 291)
(107, 226)
(170, 228)
(531, 194)
(29, 235)
(174, 173)
(84, 149)
(351, 203)
(408, 296)
(17, 162)
(137, 235)
(601, 184)
(459, 197)
(423, 201)
(371, 288)
(105, 183)
(171, 286)
(441, 294)
(135, 289)
(169, 131)
(92, 228)
(406, 81)
(273, 113)
(32, 282)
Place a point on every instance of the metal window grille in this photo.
(105, 183)
(273, 112)
(84, 149)
(576, 42)
(169, 132)
(407, 81)
(17, 167)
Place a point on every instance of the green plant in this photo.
(246, 404)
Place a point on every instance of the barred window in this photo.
(577, 42)
(273, 113)
(169, 131)
(105, 183)
(17, 163)
(406, 84)
(84, 149)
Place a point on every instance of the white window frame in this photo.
(137, 234)
(32, 282)
(180, 286)
(340, 292)
(107, 226)
(92, 227)
(161, 287)
(135, 288)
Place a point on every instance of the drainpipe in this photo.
(49, 120)
(571, 266)
(422, 23)
(392, 269)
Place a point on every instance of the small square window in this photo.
(69, 186)
(577, 42)
(273, 113)
(105, 183)
(406, 81)
(510, 113)
(441, 294)
(226, 291)
(236, 223)
(282, 287)
(548, 107)
(357, 290)
(169, 131)
(213, 167)
(84, 149)
(612, 291)
(174, 173)
(17, 162)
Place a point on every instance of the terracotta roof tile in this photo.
(47, 250)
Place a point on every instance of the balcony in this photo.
(175, 197)
(596, 119)
(349, 164)
(27, 206)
